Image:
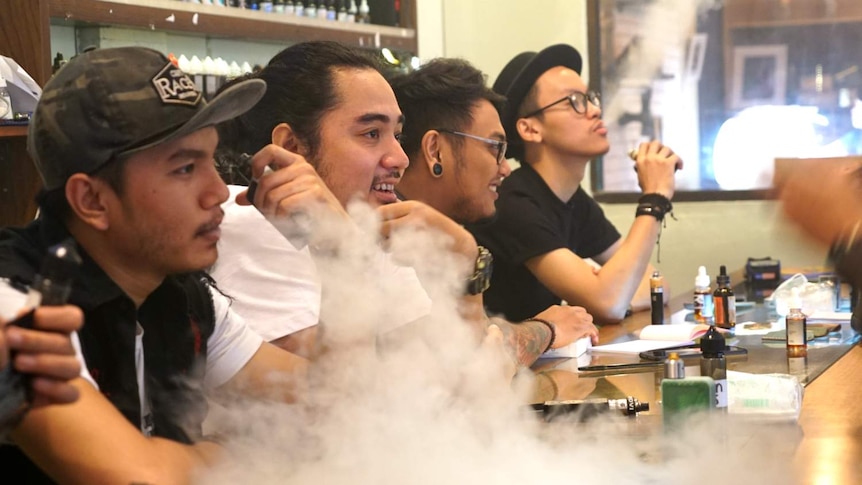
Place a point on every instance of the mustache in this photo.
(393, 174)
(213, 223)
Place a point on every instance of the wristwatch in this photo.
(480, 280)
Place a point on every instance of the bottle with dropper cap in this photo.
(797, 327)
(724, 301)
(702, 297)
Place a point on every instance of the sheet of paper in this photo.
(680, 332)
(638, 346)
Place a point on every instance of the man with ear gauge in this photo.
(124, 144)
(546, 224)
(456, 147)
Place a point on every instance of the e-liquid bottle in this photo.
(724, 301)
(656, 296)
(797, 327)
(702, 297)
(714, 365)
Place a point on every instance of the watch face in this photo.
(481, 278)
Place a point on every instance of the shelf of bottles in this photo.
(347, 21)
(351, 11)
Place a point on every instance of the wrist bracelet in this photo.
(655, 205)
(551, 327)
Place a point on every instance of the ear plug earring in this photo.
(437, 169)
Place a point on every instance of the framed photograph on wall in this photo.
(759, 75)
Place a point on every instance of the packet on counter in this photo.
(765, 396)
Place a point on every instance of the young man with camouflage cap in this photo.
(124, 143)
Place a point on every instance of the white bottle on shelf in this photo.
(364, 16)
(351, 12)
(321, 10)
(341, 16)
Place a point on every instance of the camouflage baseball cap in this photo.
(109, 104)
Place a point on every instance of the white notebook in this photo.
(575, 349)
(653, 337)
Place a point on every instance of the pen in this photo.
(606, 367)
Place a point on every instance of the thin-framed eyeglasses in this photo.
(578, 100)
(500, 145)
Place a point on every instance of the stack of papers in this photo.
(654, 337)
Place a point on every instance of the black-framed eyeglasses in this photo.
(500, 145)
(578, 100)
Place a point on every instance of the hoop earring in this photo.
(437, 169)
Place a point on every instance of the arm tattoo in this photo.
(528, 340)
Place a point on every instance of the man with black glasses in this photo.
(546, 224)
(457, 151)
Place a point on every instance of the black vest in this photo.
(177, 318)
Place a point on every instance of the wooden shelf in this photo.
(25, 35)
(225, 22)
(9, 131)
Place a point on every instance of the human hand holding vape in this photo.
(656, 164)
(287, 190)
(41, 356)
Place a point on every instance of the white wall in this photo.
(490, 32)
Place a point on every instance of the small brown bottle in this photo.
(724, 301)
(656, 292)
(797, 327)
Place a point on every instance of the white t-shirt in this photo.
(277, 288)
(274, 286)
(231, 345)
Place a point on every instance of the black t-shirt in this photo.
(531, 221)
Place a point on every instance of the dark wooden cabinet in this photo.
(26, 37)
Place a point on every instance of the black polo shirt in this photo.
(531, 220)
(178, 319)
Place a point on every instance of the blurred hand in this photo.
(46, 353)
(656, 165)
(494, 344)
(824, 199)
(572, 323)
(417, 214)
